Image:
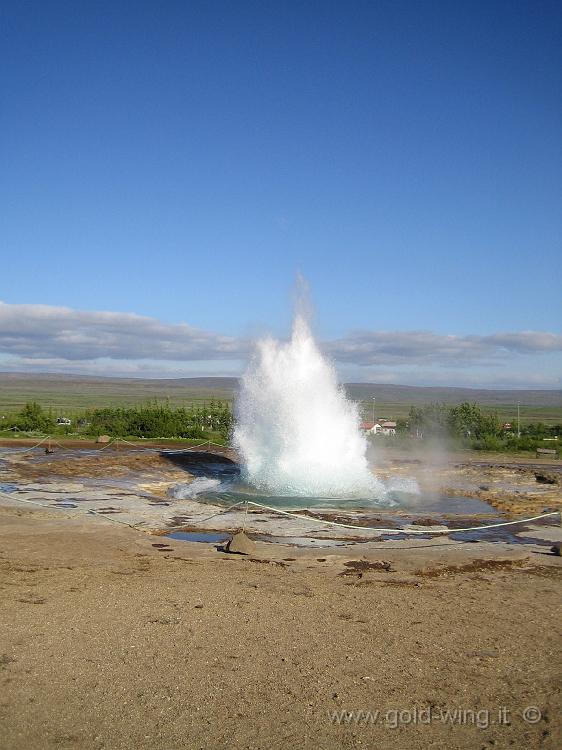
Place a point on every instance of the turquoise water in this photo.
(413, 504)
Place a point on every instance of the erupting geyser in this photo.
(296, 431)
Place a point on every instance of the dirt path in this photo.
(107, 642)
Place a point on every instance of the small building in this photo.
(388, 428)
(381, 427)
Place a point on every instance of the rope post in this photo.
(245, 516)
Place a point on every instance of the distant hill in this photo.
(423, 394)
(68, 392)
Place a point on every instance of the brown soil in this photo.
(106, 465)
(89, 444)
(109, 643)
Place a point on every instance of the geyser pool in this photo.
(297, 434)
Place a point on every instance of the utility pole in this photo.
(518, 422)
(374, 399)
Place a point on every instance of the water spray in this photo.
(296, 432)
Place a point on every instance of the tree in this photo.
(32, 417)
(430, 420)
(468, 420)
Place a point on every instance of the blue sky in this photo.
(183, 161)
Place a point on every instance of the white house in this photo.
(379, 428)
(388, 428)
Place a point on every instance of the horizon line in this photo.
(79, 376)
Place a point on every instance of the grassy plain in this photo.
(506, 412)
(71, 394)
(66, 393)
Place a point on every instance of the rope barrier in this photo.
(91, 511)
(113, 440)
(116, 440)
(290, 514)
(32, 448)
(128, 442)
(193, 447)
(149, 449)
(31, 502)
(60, 445)
(214, 515)
(85, 512)
(117, 520)
(445, 530)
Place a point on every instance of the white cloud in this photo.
(59, 339)
(45, 332)
(417, 347)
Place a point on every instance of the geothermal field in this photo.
(298, 588)
(229, 526)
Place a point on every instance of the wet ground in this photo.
(188, 494)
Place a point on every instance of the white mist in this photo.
(296, 432)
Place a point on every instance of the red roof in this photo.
(367, 425)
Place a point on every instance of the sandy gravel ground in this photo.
(108, 642)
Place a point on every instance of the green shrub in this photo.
(488, 443)
(32, 418)
(160, 421)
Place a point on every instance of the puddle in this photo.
(507, 535)
(7, 487)
(199, 536)
(219, 538)
(503, 535)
